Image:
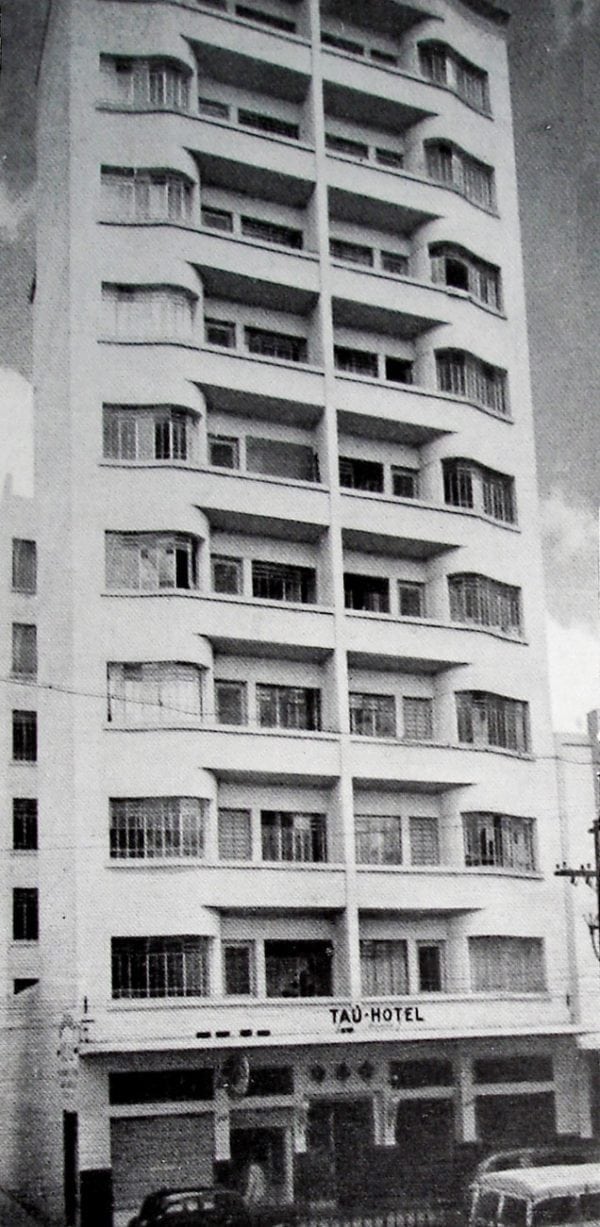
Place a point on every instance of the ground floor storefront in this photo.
(332, 1126)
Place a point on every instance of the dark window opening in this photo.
(361, 474)
(276, 345)
(24, 736)
(25, 824)
(274, 581)
(25, 914)
(398, 370)
(160, 1086)
(268, 123)
(356, 361)
(411, 1075)
(299, 969)
(528, 1067)
(369, 593)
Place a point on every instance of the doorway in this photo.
(425, 1145)
(267, 1147)
(339, 1137)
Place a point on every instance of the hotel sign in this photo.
(348, 1018)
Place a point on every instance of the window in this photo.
(295, 461)
(235, 835)
(216, 219)
(293, 837)
(444, 66)
(361, 474)
(220, 332)
(514, 1211)
(459, 269)
(351, 253)
(356, 361)
(154, 694)
(383, 57)
(528, 1067)
(482, 601)
(161, 1085)
(227, 575)
(146, 195)
(492, 720)
(230, 701)
(461, 374)
(24, 649)
(412, 1075)
(384, 968)
(289, 707)
(424, 841)
(151, 563)
(276, 345)
(212, 108)
(554, 1210)
(452, 167)
(392, 158)
(475, 488)
(394, 262)
(411, 599)
(158, 84)
(275, 581)
(148, 433)
(499, 840)
(405, 482)
(147, 827)
(270, 124)
(341, 44)
(417, 716)
(269, 232)
(431, 967)
(238, 969)
(144, 967)
(299, 969)
(24, 566)
(370, 593)
(432, 61)
(25, 824)
(24, 736)
(398, 370)
(224, 451)
(149, 313)
(507, 964)
(378, 839)
(274, 21)
(349, 148)
(372, 715)
(25, 914)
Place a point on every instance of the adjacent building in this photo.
(298, 811)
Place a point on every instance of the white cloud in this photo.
(570, 541)
(13, 211)
(16, 431)
(574, 656)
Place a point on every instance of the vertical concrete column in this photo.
(222, 1125)
(95, 1168)
(464, 1115)
(572, 1091)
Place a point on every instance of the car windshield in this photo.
(554, 1210)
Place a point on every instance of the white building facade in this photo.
(297, 790)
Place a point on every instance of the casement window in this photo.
(151, 562)
(213, 108)
(25, 914)
(501, 841)
(235, 835)
(156, 432)
(411, 599)
(280, 345)
(145, 967)
(299, 969)
(224, 451)
(394, 262)
(370, 593)
(442, 65)
(361, 474)
(523, 1067)
(289, 707)
(383, 57)
(405, 482)
(507, 964)
(277, 581)
(417, 719)
(220, 332)
(24, 566)
(356, 361)
(341, 44)
(24, 736)
(462, 374)
(142, 828)
(492, 720)
(430, 962)
(275, 458)
(383, 968)
(227, 575)
(270, 232)
(148, 313)
(351, 253)
(24, 649)
(393, 159)
(459, 269)
(216, 219)
(293, 837)
(424, 841)
(152, 83)
(146, 195)
(272, 20)
(25, 824)
(239, 978)
(372, 715)
(450, 166)
(347, 147)
(154, 694)
(271, 124)
(398, 370)
(231, 702)
(476, 488)
(378, 839)
(481, 601)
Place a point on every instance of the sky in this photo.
(554, 51)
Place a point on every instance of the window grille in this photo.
(288, 707)
(276, 345)
(24, 649)
(235, 835)
(356, 361)
(272, 20)
(145, 967)
(384, 968)
(24, 566)
(143, 828)
(378, 839)
(154, 694)
(500, 841)
(146, 195)
(507, 964)
(275, 458)
(481, 601)
(24, 736)
(417, 715)
(461, 374)
(139, 83)
(231, 704)
(492, 720)
(148, 313)
(473, 487)
(151, 563)
(25, 914)
(144, 432)
(372, 715)
(238, 969)
(270, 124)
(356, 474)
(25, 824)
(443, 66)
(276, 581)
(347, 147)
(270, 232)
(351, 253)
(452, 167)
(227, 575)
(293, 837)
(458, 268)
(424, 841)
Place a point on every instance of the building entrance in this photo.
(265, 1148)
(340, 1134)
(425, 1145)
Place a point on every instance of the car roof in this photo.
(538, 1182)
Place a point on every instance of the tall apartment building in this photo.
(297, 796)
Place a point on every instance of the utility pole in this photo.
(590, 874)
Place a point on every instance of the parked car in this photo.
(579, 1150)
(554, 1196)
(199, 1207)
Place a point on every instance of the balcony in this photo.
(358, 88)
(442, 889)
(436, 766)
(282, 51)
